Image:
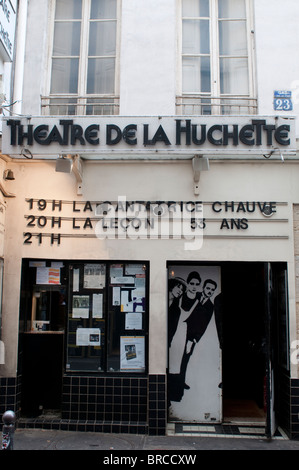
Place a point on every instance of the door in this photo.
(277, 338)
(194, 313)
(270, 389)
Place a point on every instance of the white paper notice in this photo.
(126, 306)
(42, 275)
(133, 321)
(123, 280)
(47, 276)
(80, 306)
(116, 296)
(37, 264)
(134, 269)
(116, 271)
(94, 276)
(97, 306)
(76, 273)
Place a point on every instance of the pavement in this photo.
(133, 444)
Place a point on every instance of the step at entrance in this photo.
(246, 430)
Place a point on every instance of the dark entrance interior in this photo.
(41, 343)
(244, 341)
(255, 339)
(41, 374)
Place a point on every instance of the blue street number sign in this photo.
(283, 100)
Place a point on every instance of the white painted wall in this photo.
(149, 181)
(277, 45)
(148, 57)
(36, 54)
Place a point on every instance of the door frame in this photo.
(277, 311)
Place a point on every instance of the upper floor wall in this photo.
(8, 18)
(243, 55)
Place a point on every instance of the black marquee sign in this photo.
(56, 220)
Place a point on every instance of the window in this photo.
(107, 317)
(84, 58)
(216, 59)
(100, 307)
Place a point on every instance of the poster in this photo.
(47, 275)
(132, 354)
(132, 300)
(88, 337)
(194, 334)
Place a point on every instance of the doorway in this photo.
(244, 352)
(251, 321)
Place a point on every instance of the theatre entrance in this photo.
(237, 349)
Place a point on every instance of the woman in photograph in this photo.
(176, 288)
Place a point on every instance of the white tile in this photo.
(252, 430)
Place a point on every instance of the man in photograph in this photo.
(197, 323)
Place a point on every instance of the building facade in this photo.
(150, 239)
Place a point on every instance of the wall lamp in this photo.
(8, 175)
(64, 164)
(69, 163)
(199, 163)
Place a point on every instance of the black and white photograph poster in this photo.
(194, 336)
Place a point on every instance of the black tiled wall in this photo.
(287, 408)
(99, 404)
(106, 399)
(157, 405)
(126, 404)
(9, 395)
(294, 434)
(131, 403)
